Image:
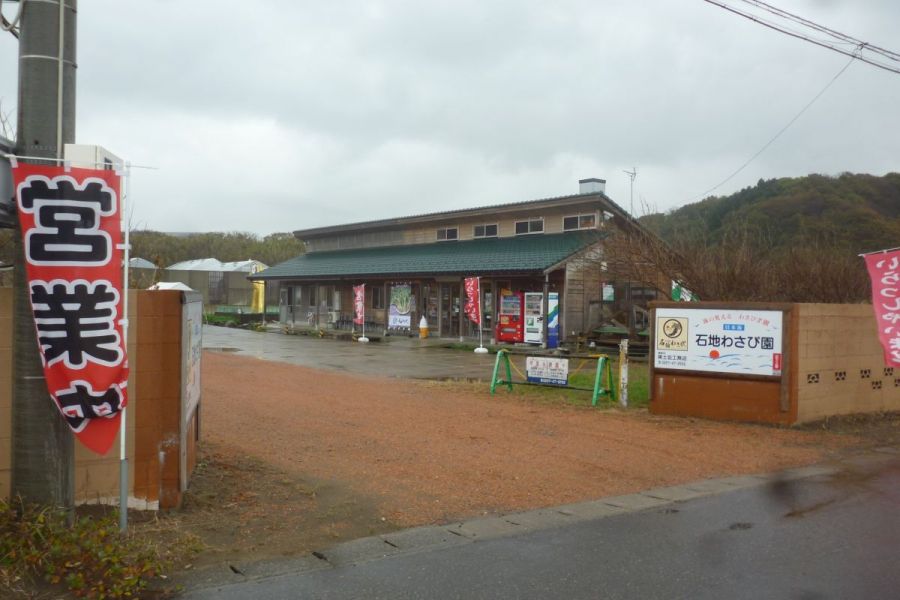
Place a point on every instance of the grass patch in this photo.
(638, 387)
(220, 320)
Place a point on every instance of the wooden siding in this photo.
(426, 234)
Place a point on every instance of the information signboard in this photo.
(547, 370)
(744, 342)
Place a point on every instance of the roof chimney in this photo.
(591, 186)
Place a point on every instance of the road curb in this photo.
(428, 538)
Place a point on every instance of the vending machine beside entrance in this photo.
(534, 317)
(510, 324)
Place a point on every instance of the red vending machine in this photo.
(510, 320)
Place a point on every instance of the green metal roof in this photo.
(521, 254)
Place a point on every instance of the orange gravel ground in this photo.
(428, 452)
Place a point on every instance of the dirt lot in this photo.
(296, 459)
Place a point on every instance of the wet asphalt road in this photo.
(399, 357)
(833, 536)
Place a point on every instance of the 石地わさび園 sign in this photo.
(744, 342)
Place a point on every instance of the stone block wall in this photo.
(840, 362)
(154, 404)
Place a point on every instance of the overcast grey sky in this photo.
(278, 115)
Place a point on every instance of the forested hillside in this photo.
(790, 239)
(857, 212)
(165, 249)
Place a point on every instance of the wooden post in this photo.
(440, 308)
(387, 308)
(316, 300)
(495, 297)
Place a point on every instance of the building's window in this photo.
(311, 295)
(579, 222)
(481, 231)
(447, 233)
(531, 226)
(377, 297)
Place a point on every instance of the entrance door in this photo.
(449, 309)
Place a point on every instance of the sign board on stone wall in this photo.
(191, 352)
(742, 342)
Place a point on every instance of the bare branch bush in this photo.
(744, 265)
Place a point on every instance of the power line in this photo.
(836, 34)
(855, 54)
(777, 135)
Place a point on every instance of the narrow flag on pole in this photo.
(473, 299)
(359, 304)
(884, 271)
(682, 294)
(72, 238)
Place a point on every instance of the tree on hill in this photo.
(789, 239)
(163, 249)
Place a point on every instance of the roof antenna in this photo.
(632, 173)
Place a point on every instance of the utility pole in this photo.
(43, 465)
(629, 302)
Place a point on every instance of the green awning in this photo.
(512, 255)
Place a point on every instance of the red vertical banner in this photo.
(72, 238)
(359, 304)
(884, 271)
(473, 299)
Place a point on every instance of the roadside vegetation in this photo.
(43, 554)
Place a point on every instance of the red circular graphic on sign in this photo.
(714, 354)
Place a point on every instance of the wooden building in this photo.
(547, 245)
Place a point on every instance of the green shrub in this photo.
(90, 557)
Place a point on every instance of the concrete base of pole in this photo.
(481, 350)
(362, 340)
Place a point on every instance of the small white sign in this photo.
(543, 369)
(746, 342)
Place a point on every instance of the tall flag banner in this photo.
(72, 237)
(359, 304)
(884, 271)
(473, 299)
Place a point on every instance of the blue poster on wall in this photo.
(553, 320)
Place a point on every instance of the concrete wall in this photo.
(840, 367)
(236, 289)
(154, 349)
